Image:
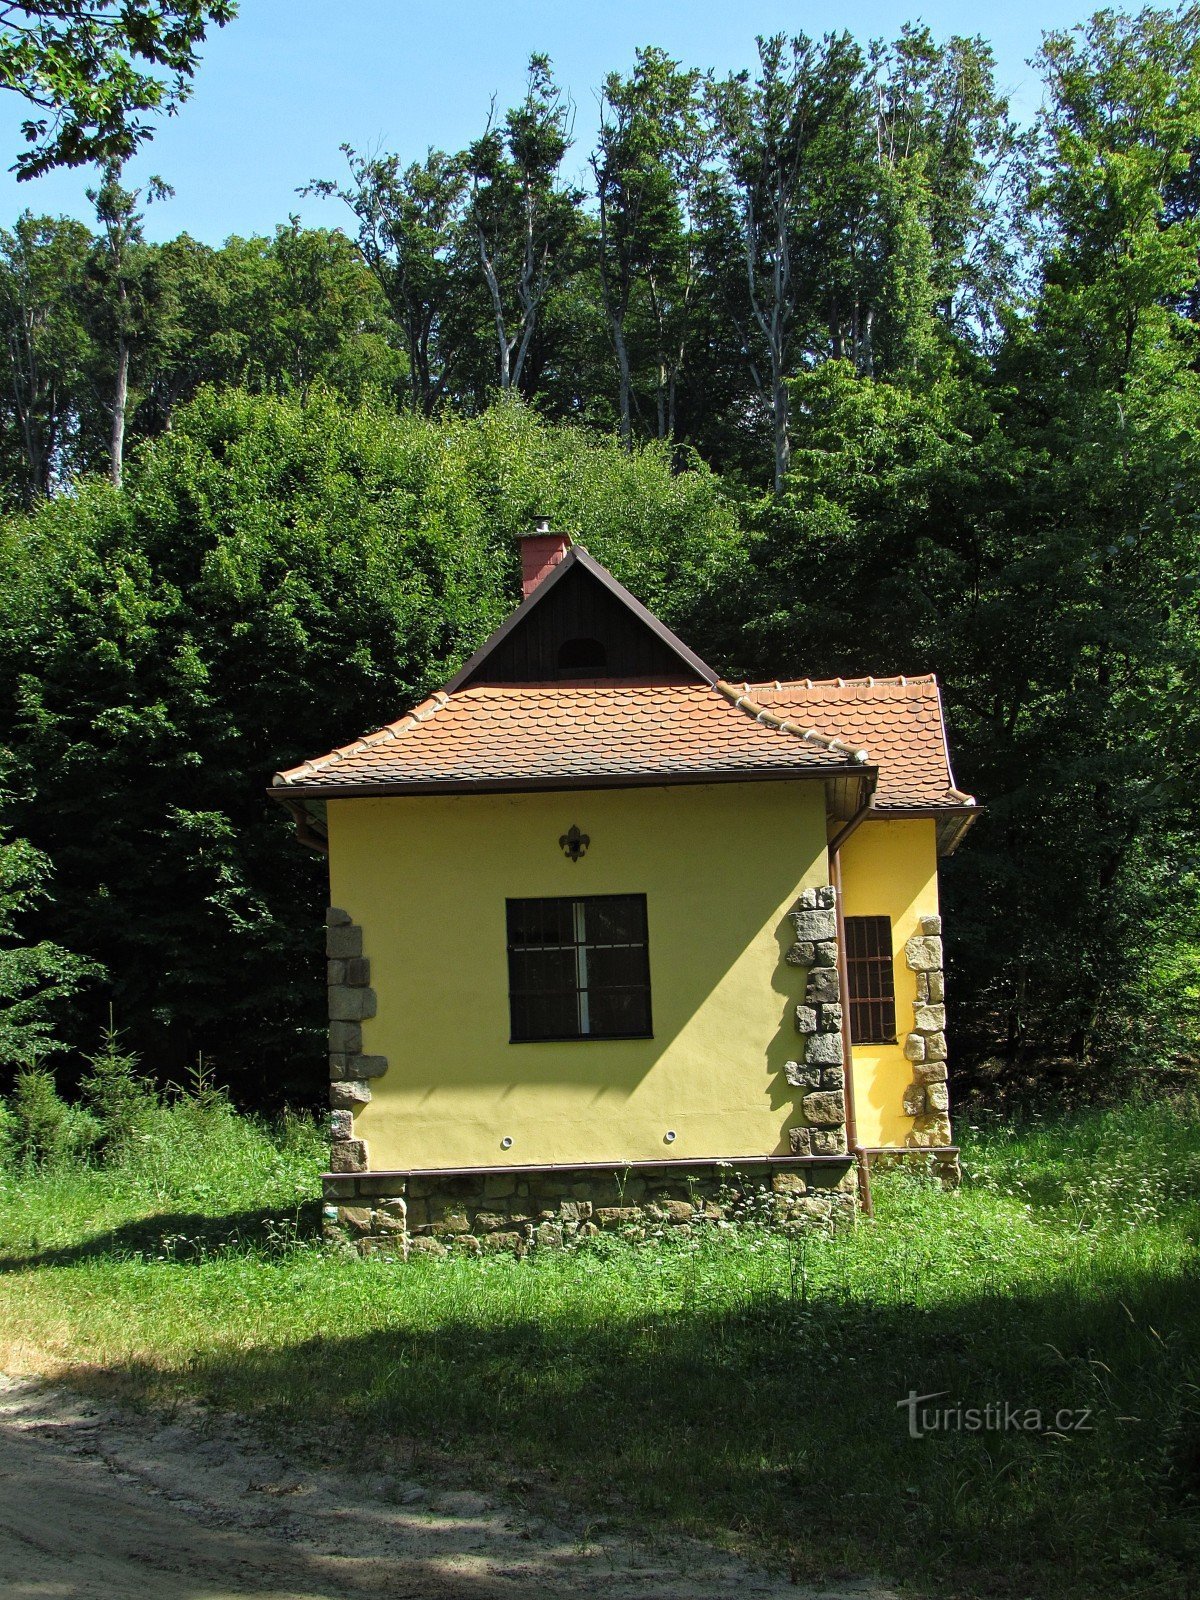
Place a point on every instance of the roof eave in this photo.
(952, 821)
(548, 782)
(953, 829)
(311, 827)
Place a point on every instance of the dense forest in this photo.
(836, 366)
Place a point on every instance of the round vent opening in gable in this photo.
(582, 658)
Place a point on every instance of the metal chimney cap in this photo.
(543, 530)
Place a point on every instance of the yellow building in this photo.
(611, 939)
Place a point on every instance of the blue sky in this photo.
(290, 80)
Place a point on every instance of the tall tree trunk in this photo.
(504, 345)
(30, 398)
(624, 381)
(528, 292)
(773, 321)
(616, 304)
(780, 412)
(528, 298)
(116, 447)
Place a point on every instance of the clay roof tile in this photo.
(494, 735)
(530, 732)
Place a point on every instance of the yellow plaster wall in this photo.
(889, 869)
(720, 866)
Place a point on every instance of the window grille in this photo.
(579, 969)
(871, 980)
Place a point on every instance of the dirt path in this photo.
(113, 1505)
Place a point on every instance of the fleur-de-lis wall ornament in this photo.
(573, 844)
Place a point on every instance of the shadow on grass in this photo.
(186, 1236)
(779, 1422)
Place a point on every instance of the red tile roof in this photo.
(496, 735)
(503, 733)
(897, 720)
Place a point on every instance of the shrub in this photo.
(36, 980)
(41, 1127)
(119, 1097)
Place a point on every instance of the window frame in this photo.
(865, 962)
(583, 988)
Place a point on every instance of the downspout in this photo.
(861, 1158)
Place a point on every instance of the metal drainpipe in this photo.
(860, 1155)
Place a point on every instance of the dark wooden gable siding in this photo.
(580, 608)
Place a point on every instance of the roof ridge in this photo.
(901, 680)
(741, 699)
(590, 685)
(391, 730)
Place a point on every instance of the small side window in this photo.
(871, 980)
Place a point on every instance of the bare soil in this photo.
(112, 1504)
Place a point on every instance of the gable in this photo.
(580, 625)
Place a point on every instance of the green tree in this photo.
(123, 309)
(47, 347)
(859, 192)
(1095, 619)
(92, 69)
(1031, 534)
(776, 132)
(37, 980)
(409, 227)
(104, 336)
(905, 343)
(648, 153)
(268, 315)
(519, 215)
(862, 564)
(117, 1094)
(39, 1126)
(275, 575)
(949, 161)
(325, 317)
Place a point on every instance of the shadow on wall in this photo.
(616, 1067)
(701, 926)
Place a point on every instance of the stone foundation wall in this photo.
(940, 1163)
(402, 1214)
(927, 1098)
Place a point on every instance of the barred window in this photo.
(579, 969)
(871, 980)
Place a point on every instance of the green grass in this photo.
(739, 1386)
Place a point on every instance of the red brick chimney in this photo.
(541, 551)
